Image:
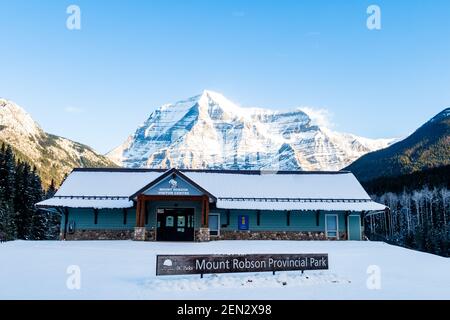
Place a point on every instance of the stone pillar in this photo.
(139, 234)
(202, 235)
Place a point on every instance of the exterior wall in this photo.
(273, 224)
(110, 221)
(277, 220)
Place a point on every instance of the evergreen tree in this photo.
(20, 190)
(51, 190)
(7, 223)
(40, 220)
(22, 201)
(7, 173)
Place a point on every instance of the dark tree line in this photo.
(20, 190)
(420, 211)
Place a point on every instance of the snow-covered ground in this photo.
(126, 270)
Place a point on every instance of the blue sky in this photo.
(97, 84)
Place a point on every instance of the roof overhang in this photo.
(300, 205)
(86, 203)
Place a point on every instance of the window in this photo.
(331, 225)
(181, 221)
(214, 224)
(169, 221)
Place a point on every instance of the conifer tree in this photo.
(7, 223)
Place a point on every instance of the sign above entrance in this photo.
(173, 186)
(203, 264)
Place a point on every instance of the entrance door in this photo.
(175, 224)
(354, 227)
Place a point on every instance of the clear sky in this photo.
(97, 84)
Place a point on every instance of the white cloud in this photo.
(73, 110)
(320, 117)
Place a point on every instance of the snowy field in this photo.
(126, 270)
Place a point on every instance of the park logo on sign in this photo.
(197, 264)
(173, 183)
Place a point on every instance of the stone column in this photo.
(202, 235)
(139, 234)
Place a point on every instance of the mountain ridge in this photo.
(210, 131)
(52, 155)
(427, 147)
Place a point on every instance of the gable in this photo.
(173, 185)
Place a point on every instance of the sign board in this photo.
(202, 264)
(243, 223)
(173, 186)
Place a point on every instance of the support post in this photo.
(347, 213)
(66, 221)
(139, 230)
(388, 225)
(138, 212)
(125, 214)
(95, 216)
(203, 235)
(207, 212)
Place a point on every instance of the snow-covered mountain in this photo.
(209, 131)
(53, 156)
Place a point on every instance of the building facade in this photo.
(203, 205)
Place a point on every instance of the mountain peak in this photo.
(211, 131)
(441, 115)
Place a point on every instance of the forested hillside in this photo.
(420, 209)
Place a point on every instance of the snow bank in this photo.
(126, 270)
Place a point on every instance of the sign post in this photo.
(202, 264)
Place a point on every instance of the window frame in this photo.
(337, 225)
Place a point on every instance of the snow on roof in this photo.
(305, 186)
(85, 188)
(103, 183)
(299, 205)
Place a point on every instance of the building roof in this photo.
(283, 190)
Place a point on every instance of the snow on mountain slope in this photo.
(209, 131)
(53, 156)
